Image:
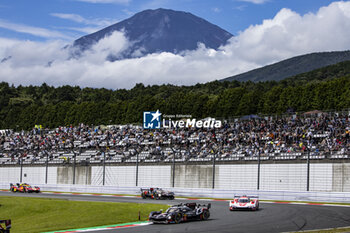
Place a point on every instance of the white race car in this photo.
(244, 202)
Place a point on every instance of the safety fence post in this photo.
(104, 168)
(21, 162)
(214, 158)
(259, 163)
(173, 178)
(74, 163)
(47, 166)
(137, 167)
(308, 172)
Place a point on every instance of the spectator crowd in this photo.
(320, 134)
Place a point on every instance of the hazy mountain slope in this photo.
(292, 66)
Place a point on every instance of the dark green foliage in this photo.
(23, 107)
(293, 66)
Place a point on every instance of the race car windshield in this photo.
(171, 210)
(243, 200)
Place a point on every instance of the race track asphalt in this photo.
(270, 217)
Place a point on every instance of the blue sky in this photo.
(69, 19)
(33, 34)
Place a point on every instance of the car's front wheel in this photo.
(178, 218)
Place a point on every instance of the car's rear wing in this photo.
(239, 196)
(7, 226)
(181, 204)
(207, 205)
(149, 188)
(193, 205)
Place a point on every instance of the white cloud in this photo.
(216, 10)
(5, 44)
(73, 17)
(106, 1)
(113, 45)
(80, 19)
(85, 30)
(36, 31)
(128, 12)
(155, 4)
(240, 8)
(255, 1)
(287, 34)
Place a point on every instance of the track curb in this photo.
(325, 230)
(100, 228)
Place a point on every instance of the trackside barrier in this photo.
(210, 193)
(83, 188)
(267, 195)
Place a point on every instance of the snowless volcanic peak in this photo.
(161, 30)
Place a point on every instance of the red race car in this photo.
(244, 202)
(24, 188)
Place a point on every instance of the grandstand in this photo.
(316, 137)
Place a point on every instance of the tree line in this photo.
(22, 107)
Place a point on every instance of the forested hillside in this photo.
(23, 107)
(292, 66)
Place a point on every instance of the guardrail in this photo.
(337, 197)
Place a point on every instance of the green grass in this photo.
(333, 230)
(110, 194)
(43, 214)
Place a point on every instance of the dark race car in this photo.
(156, 193)
(24, 188)
(6, 227)
(181, 213)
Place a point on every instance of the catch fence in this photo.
(284, 171)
